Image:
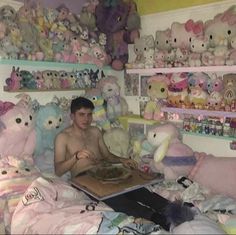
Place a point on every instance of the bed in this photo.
(36, 203)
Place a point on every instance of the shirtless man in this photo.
(80, 146)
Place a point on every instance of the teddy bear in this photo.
(99, 112)
(117, 141)
(49, 122)
(173, 158)
(157, 91)
(17, 133)
(115, 104)
(111, 19)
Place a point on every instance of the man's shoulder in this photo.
(95, 129)
(65, 132)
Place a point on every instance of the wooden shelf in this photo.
(51, 64)
(199, 112)
(224, 68)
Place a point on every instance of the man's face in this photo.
(82, 118)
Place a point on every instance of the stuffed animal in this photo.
(142, 45)
(49, 122)
(111, 19)
(175, 159)
(220, 29)
(17, 134)
(115, 104)
(99, 112)
(117, 141)
(157, 90)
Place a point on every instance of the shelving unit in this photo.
(192, 112)
(183, 69)
(198, 112)
(50, 64)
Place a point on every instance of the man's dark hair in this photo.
(81, 102)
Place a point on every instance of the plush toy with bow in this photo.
(17, 134)
(175, 159)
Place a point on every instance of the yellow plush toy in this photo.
(157, 88)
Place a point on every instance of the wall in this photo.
(154, 6)
(161, 21)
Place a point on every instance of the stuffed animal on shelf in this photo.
(117, 141)
(111, 19)
(17, 133)
(49, 122)
(142, 45)
(175, 159)
(157, 90)
(99, 112)
(115, 104)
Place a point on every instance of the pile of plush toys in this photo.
(190, 90)
(52, 79)
(99, 34)
(192, 43)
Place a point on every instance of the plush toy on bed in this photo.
(17, 134)
(117, 141)
(175, 159)
(49, 122)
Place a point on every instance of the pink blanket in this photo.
(51, 206)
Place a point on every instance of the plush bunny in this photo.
(175, 159)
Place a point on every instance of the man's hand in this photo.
(85, 154)
(129, 163)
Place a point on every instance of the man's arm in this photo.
(61, 164)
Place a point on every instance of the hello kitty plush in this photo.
(163, 40)
(17, 135)
(142, 46)
(221, 28)
(183, 33)
(231, 60)
(197, 46)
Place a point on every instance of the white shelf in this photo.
(224, 68)
(199, 112)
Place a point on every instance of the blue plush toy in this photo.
(49, 122)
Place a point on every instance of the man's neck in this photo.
(79, 131)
